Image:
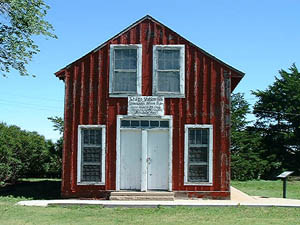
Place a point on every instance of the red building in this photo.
(147, 110)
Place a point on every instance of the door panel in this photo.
(158, 159)
(130, 158)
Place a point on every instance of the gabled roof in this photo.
(61, 72)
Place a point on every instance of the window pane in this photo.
(197, 155)
(92, 136)
(154, 123)
(198, 136)
(91, 173)
(192, 139)
(85, 136)
(144, 123)
(168, 81)
(91, 154)
(168, 59)
(198, 174)
(125, 123)
(205, 136)
(164, 124)
(98, 134)
(135, 123)
(125, 81)
(125, 59)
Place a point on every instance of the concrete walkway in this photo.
(238, 198)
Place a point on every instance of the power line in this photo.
(6, 108)
(27, 104)
(11, 107)
(283, 113)
(16, 106)
(27, 96)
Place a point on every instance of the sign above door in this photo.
(146, 106)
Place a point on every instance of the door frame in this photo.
(118, 147)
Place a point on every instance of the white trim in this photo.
(138, 47)
(170, 153)
(155, 91)
(118, 154)
(118, 146)
(186, 148)
(103, 144)
(144, 169)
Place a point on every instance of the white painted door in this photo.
(130, 156)
(158, 159)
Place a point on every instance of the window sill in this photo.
(91, 183)
(198, 184)
(122, 95)
(170, 95)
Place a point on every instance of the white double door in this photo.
(144, 159)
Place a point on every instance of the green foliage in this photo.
(278, 113)
(25, 154)
(247, 162)
(272, 144)
(246, 147)
(20, 21)
(239, 110)
(58, 123)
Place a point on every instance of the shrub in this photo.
(26, 154)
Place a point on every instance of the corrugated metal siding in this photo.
(87, 102)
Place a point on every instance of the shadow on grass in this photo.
(37, 189)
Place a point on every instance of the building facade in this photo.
(147, 110)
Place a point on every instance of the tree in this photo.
(278, 113)
(58, 125)
(239, 110)
(246, 147)
(20, 21)
(23, 154)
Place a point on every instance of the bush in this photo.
(26, 154)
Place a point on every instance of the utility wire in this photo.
(25, 107)
(26, 104)
(31, 97)
(283, 113)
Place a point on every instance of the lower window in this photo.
(91, 154)
(198, 154)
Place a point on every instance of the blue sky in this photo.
(258, 37)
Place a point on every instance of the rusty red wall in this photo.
(87, 101)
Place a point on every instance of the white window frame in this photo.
(186, 155)
(103, 128)
(181, 93)
(138, 47)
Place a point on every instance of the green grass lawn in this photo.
(49, 189)
(268, 188)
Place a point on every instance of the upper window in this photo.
(168, 70)
(198, 154)
(91, 154)
(125, 70)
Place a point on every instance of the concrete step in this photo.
(142, 196)
(142, 193)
